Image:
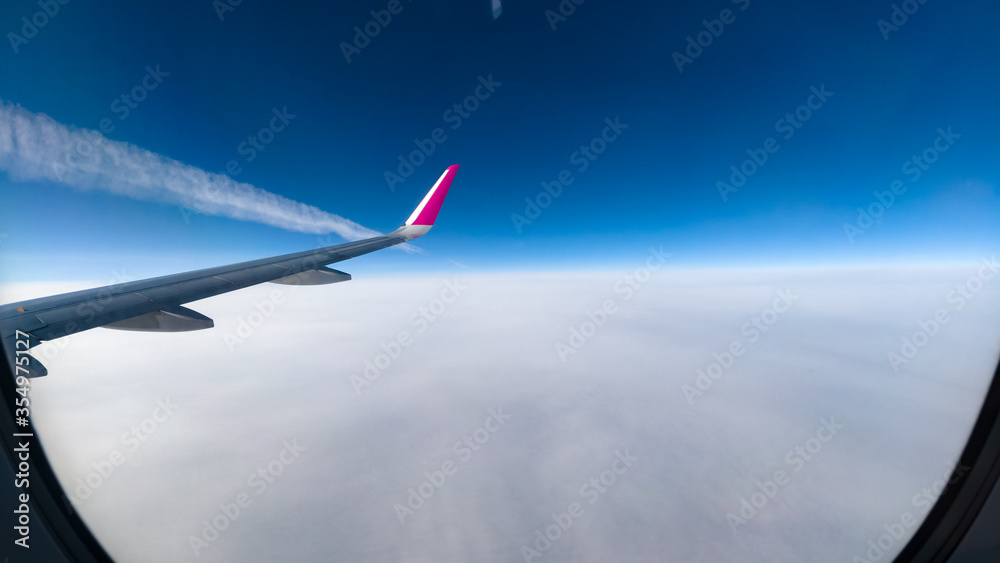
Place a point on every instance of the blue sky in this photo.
(655, 184)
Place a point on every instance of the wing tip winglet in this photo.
(426, 213)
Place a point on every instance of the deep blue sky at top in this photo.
(655, 185)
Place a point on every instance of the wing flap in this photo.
(175, 319)
(319, 276)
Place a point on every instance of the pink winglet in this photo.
(427, 211)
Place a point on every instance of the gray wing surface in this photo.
(155, 304)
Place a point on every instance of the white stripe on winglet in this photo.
(416, 212)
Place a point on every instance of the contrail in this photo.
(33, 146)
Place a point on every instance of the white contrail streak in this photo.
(33, 147)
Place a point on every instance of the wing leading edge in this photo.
(154, 304)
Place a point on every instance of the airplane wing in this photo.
(155, 304)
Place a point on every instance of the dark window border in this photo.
(959, 505)
(49, 505)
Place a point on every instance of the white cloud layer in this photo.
(35, 147)
(494, 347)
